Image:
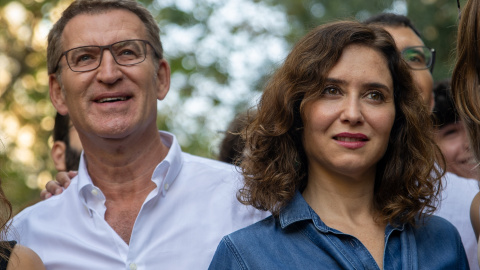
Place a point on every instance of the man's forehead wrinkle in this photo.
(110, 33)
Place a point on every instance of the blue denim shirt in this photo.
(298, 239)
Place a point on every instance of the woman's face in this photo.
(453, 142)
(347, 129)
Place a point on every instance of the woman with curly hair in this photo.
(12, 255)
(341, 153)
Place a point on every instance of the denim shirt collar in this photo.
(299, 210)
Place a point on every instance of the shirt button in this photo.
(133, 266)
(166, 186)
(94, 192)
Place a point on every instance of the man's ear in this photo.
(163, 79)
(56, 95)
(58, 155)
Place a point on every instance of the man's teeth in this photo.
(111, 99)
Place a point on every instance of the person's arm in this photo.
(55, 187)
(475, 215)
(23, 258)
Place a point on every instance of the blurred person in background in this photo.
(460, 192)
(232, 145)
(450, 135)
(66, 150)
(67, 147)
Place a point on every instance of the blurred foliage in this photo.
(435, 19)
(221, 53)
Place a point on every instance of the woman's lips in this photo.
(351, 140)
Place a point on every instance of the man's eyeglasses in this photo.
(419, 57)
(125, 53)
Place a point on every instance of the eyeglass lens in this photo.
(418, 57)
(129, 52)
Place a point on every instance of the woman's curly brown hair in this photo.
(274, 164)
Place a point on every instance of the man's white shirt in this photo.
(179, 225)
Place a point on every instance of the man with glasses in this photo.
(420, 58)
(458, 192)
(138, 201)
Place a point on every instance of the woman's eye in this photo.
(330, 91)
(377, 96)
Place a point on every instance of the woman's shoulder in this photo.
(435, 230)
(261, 228)
(24, 258)
(435, 237)
(434, 224)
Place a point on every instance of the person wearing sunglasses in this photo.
(421, 60)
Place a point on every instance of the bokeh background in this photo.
(221, 53)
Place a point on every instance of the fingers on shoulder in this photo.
(24, 258)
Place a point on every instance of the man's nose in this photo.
(108, 70)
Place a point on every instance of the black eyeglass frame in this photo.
(109, 47)
(432, 64)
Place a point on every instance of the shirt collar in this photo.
(167, 171)
(164, 174)
(83, 178)
(299, 210)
